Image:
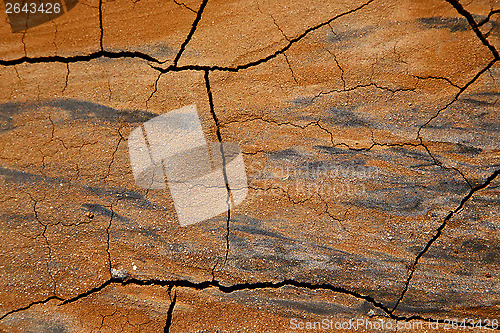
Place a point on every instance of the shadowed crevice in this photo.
(170, 312)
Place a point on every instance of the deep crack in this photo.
(101, 29)
(229, 198)
(174, 67)
(475, 27)
(461, 10)
(207, 69)
(27, 307)
(168, 322)
(455, 98)
(191, 32)
(439, 232)
(257, 286)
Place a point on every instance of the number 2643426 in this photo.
(33, 8)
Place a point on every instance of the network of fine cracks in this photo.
(174, 67)
(475, 27)
(439, 231)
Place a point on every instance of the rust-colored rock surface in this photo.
(370, 136)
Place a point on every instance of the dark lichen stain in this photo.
(26, 177)
(341, 116)
(318, 308)
(335, 37)
(467, 150)
(485, 251)
(453, 24)
(401, 202)
(45, 326)
(287, 154)
(89, 110)
(101, 210)
(78, 110)
(334, 150)
(258, 231)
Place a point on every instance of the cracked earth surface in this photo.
(371, 138)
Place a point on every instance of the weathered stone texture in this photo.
(370, 133)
